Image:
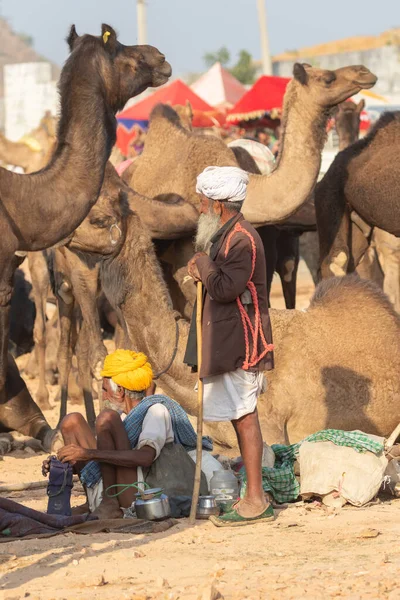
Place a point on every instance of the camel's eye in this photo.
(101, 222)
(329, 77)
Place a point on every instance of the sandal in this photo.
(233, 519)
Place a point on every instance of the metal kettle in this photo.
(152, 505)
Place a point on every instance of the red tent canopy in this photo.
(175, 93)
(266, 95)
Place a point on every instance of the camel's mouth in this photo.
(367, 83)
(162, 74)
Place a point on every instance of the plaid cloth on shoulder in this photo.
(280, 480)
(183, 432)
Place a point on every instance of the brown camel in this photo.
(369, 250)
(98, 78)
(19, 412)
(341, 245)
(309, 97)
(342, 355)
(33, 159)
(362, 171)
(75, 269)
(35, 151)
(347, 122)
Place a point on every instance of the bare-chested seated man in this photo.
(141, 437)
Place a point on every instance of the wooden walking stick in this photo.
(199, 447)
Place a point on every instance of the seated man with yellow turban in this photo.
(142, 436)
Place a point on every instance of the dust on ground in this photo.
(307, 552)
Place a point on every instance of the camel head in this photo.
(104, 229)
(347, 120)
(126, 71)
(185, 114)
(325, 89)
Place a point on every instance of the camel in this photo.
(309, 97)
(347, 122)
(75, 273)
(367, 248)
(31, 159)
(19, 412)
(43, 209)
(308, 100)
(33, 152)
(347, 343)
(361, 181)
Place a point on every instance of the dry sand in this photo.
(307, 552)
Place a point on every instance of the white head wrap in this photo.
(223, 183)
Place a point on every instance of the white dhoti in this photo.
(233, 395)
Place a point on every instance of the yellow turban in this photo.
(128, 369)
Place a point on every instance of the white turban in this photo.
(223, 183)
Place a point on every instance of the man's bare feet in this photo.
(249, 510)
(108, 509)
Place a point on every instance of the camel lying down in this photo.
(337, 364)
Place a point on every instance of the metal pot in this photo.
(152, 505)
(206, 507)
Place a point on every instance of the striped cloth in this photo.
(280, 480)
(184, 433)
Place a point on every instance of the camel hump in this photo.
(352, 291)
(165, 111)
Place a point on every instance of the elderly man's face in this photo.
(109, 395)
(208, 207)
(208, 224)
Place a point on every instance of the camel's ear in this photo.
(360, 106)
(300, 74)
(72, 37)
(189, 109)
(109, 38)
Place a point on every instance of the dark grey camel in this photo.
(43, 209)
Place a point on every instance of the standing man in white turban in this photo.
(237, 338)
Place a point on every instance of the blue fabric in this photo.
(183, 432)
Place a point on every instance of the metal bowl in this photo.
(207, 507)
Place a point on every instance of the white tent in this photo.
(218, 87)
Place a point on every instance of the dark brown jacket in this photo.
(225, 279)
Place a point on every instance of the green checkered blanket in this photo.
(280, 480)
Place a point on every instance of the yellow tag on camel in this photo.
(106, 35)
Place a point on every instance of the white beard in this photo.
(207, 227)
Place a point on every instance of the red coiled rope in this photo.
(256, 331)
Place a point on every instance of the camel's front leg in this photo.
(85, 374)
(388, 249)
(66, 314)
(8, 264)
(288, 250)
(86, 288)
(40, 284)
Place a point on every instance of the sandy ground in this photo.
(307, 552)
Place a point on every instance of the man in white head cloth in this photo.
(237, 338)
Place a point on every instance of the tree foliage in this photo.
(222, 55)
(244, 69)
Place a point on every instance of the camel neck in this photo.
(276, 197)
(62, 194)
(134, 285)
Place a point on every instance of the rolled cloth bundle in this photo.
(128, 369)
(223, 183)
